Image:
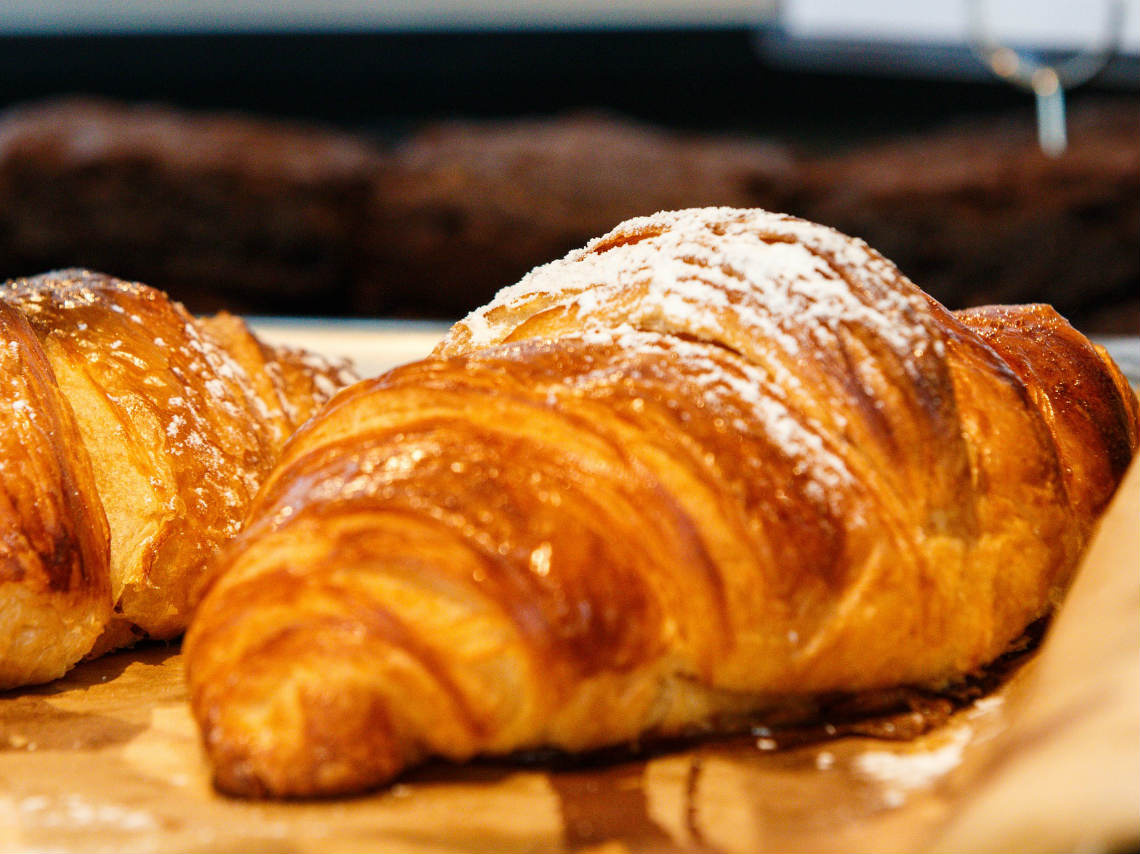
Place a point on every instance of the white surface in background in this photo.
(1043, 23)
(1060, 24)
(374, 346)
(127, 16)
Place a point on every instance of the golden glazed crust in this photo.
(291, 384)
(714, 463)
(162, 428)
(54, 578)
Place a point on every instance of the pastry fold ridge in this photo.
(134, 439)
(717, 462)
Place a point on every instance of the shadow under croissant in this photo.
(896, 714)
(602, 795)
(31, 710)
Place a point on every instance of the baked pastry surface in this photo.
(134, 442)
(54, 570)
(713, 464)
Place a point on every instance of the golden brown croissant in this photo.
(713, 464)
(55, 587)
(134, 438)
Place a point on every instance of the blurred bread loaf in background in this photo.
(264, 216)
(464, 208)
(978, 214)
(220, 210)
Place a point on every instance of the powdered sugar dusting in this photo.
(704, 272)
(149, 356)
(75, 812)
(785, 296)
(328, 376)
(17, 414)
(902, 772)
(730, 384)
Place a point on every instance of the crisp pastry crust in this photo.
(290, 383)
(714, 463)
(55, 594)
(168, 435)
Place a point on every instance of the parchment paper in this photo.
(108, 759)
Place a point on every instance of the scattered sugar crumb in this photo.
(913, 770)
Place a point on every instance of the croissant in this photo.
(713, 465)
(133, 440)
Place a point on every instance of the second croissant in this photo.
(134, 438)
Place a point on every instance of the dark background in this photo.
(697, 78)
(973, 216)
